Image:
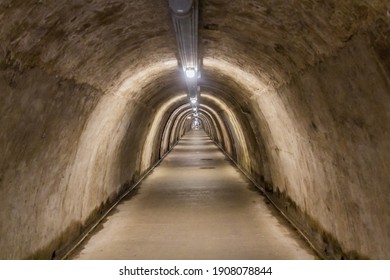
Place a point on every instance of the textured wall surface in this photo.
(297, 92)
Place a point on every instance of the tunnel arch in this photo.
(173, 128)
(207, 126)
(81, 85)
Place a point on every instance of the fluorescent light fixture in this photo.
(190, 73)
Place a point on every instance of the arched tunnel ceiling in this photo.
(273, 39)
(285, 88)
(244, 45)
(279, 39)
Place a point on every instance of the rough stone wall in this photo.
(300, 99)
(39, 138)
(334, 181)
(315, 76)
(68, 151)
(342, 108)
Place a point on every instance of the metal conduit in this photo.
(185, 21)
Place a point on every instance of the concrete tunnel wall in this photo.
(297, 92)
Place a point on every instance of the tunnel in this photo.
(295, 93)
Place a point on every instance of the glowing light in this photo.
(196, 123)
(190, 73)
(193, 100)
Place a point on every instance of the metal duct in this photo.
(185, 21)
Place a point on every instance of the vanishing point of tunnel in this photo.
(286, 155)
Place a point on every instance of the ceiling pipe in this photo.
(185, 21)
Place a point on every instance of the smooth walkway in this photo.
(195, 205)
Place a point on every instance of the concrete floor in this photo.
(195, 205)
